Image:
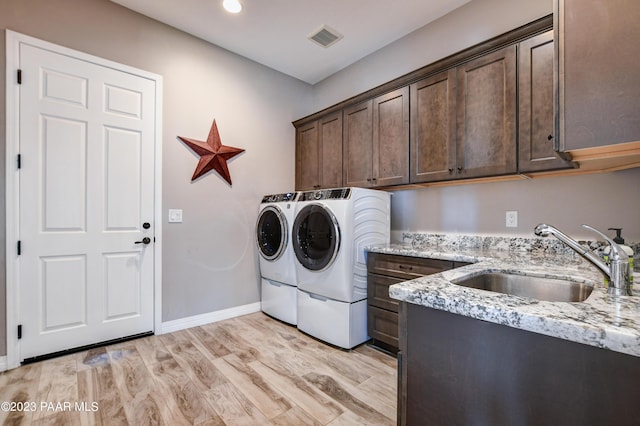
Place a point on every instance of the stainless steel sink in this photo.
(548, 289)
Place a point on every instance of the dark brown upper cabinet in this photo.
(358, 144)
(536, 123)
(433, 128)
(376, 141)
(319, 153)
(487, 115)
(488, 111)
(598, 72)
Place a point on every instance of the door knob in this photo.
(145, 240)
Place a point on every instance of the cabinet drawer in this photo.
(378, 292)
(383, 325)
(405, 267)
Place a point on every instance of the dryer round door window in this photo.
(316, 237)
(271, 233)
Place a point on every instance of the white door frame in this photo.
(12, 195)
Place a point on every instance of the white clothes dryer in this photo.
(331, 230)
(277, 262)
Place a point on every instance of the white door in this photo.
(86, 202)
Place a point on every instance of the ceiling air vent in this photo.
(325, 36)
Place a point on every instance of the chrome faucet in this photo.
(618, 268)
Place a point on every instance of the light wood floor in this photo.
(250, 370)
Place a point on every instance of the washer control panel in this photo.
(326, 194)
(280, 198)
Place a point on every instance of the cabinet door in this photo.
(433, 128)
(307, 157)
(599, 72)
(391, 138)
(330, 141)
(486, 142)
(357, 143)
(382, 326)
(536, 106)
(378, 292)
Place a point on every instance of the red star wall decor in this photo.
(213, 155)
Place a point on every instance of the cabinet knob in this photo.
(450, 170)
(549, 137)
(459, 169)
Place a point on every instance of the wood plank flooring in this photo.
(249, 370)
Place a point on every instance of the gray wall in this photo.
(601, 200)
(209, 261)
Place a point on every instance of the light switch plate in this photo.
(511, 219)
(175, 215)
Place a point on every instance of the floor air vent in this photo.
(325, 36)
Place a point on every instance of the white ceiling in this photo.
(274, 32)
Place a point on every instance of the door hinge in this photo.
(19, 76)
(19, 247)
(19, 161)
(19, 331)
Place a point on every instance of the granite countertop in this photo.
(602, 320)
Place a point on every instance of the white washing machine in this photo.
(277, 260)
(330, 232)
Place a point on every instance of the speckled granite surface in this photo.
(601, 320)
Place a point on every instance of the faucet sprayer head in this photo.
(542, 230)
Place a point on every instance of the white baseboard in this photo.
(202, 319)
(3, 363)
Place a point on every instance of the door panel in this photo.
(63, 151)
(391, 138)
(358, 145)
(64, 277)
(122, 285)
(486, 140)
(87, 135)
(433, 128)
(122, 168)
(64, 88)
(307, 160)
(330, 139)
(125, 102)
(536, 114)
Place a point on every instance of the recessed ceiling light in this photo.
(232, 6)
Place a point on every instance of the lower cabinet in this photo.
(456, 370)
(384, 270)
